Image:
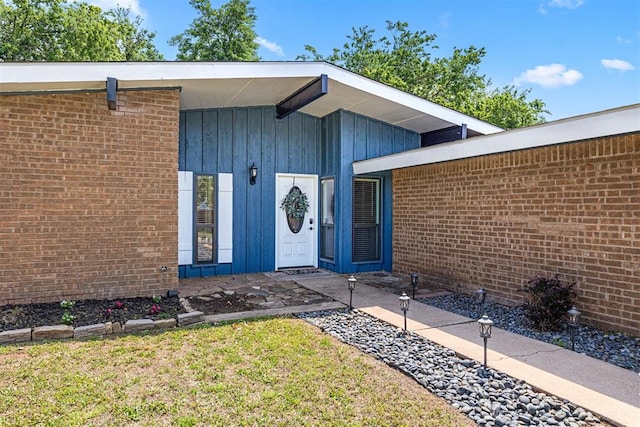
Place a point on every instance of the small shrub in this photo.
(68, 318)
(156, 299)
(67, 305)
(549, 299)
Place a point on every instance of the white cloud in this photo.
(563, 4)
(553, 75)
(622, 40)
(617, 64)
(134, 5)
(566, 4)
(270, 46)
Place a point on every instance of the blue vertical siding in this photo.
(230, 140)
(355, 138)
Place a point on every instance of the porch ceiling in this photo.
(223, 85)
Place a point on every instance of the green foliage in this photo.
(156, 299)
(405, 60)
(295, 203)
(67, 318)
(54, 30)
(67, 305)
(549, 299)
(225, 34)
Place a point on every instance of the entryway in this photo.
(297, 237)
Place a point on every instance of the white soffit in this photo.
(611, 122)
(243, 84)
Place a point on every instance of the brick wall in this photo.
(496, 221)
(88, 196)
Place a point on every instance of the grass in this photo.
(277, 372)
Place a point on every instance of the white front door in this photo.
(297, 243)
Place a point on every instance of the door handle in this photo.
(310, 220)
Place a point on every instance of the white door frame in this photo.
(312, 214)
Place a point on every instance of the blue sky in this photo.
(578, 56)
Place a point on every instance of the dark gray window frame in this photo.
(327, 230)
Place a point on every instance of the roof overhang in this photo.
(242, 84)
(618, 121)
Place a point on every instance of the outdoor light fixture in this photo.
(253, 173)
(481, 296)
(352, 285)
(573, 323)
(485, 333)
(414, 283)
(404, 306)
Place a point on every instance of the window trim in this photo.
(214, 225)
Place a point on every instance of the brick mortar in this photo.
(89, 196)
(496, 221)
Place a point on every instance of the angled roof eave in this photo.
(601, 124)
(230, 84)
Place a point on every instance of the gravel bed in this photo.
(612, 347)
(488, 397)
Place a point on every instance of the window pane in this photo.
(204, 200)
(205, 219)
(366, 220)
(205, 244)
(327, 208)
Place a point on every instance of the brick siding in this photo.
(88, 195)
(496, 221)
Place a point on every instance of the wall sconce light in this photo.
(414, 283)
(352, 285)
(485, 333)
(404, 306)
(253, 173)
(573, 323)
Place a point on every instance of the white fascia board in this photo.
(412, 101)
(612, 122)
(68, 72)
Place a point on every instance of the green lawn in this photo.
(261, 373)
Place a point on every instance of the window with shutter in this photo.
(205, 219)
(366, 219)
(327, 234)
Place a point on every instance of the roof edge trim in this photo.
(601, 124)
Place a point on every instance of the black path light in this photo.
(352, 285)
(404, 306)
(414, 283)
(573, 323)
(485, 333)
(481, 296)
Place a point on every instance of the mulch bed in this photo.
(89, 312)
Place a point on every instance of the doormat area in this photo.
(293, 271)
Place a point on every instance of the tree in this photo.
(134, 41)
(54, 30)
(225, 34)
(404, 60)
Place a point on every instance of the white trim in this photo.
(225, 218)
(612, 122)
(63, 76)
(185, 218)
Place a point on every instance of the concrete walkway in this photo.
(609, 391)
